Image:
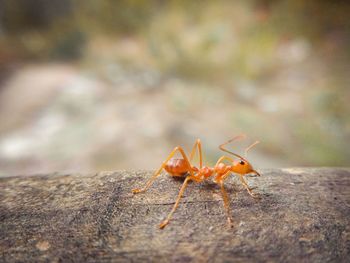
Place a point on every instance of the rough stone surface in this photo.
(302, 216)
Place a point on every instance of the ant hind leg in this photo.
(197, 145)
(157, 173)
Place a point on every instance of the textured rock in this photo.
(302, 216)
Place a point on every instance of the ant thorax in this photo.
(206, 171)
(221, 169)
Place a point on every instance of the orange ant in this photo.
(182, 167)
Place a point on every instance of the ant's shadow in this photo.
(232, 186)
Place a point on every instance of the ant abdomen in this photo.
(177, 167)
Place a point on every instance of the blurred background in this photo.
(92, 85)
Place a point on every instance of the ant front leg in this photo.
(157, 173)
(245, 184)
(222, 158)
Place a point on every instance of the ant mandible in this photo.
(182, 167)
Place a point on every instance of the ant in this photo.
(182, 167)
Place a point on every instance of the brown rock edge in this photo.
(303, 216)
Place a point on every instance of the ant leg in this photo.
(186, 160)
(157, 173)
(183, 187)
(197, 145)
(223, 158)
(245, 184)
(226, 201)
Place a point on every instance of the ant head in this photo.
(241, 166)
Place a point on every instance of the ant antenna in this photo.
(249, 147)
(238, 137)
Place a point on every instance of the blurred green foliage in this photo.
(223, 43)
(312, 19)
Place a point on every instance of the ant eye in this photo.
(241, 162)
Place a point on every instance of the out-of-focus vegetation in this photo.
(144, 76)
